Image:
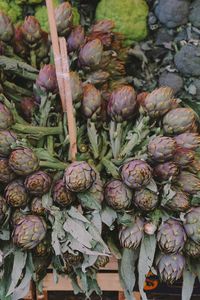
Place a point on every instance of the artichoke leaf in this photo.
(108, 216)
(168, 194)
(87, 199)
(24, 287)
(75, 214)
(188, 284)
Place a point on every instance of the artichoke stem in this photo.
(53, 165)
(43, 131)
(17, 89)
(111, 168)
(115, 137)
(33, 59)
(50, 144)
(93, 137)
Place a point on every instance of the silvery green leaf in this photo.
(152, 186)
(88, 200)
(188, 285)
(76, 288)
(4, 235)
(97, 238)
(168, 194)
(24, 287)
(89, 261)
(146, 257)
(47, 201)
(74, 244)
(96, 220)
(125, 219)
(75, 214)
(113, 248)
(108, 216)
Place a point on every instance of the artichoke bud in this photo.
(166, 171)
(192, 224)
(61, 195)
(76, 87)
(73, 259)
(188, 140)
(91, 103)
(188, 182)
(19, 46)
(96, 190)
(38, 183)
(180, 202)
(64, 18)
(6, 174)
(161, 148)
(136, 174)
(27, 108)
(36, 207)
(31, 31)
(130, 237)
(16, 194)
(7, 139)
(122, 103)
(171, 236)
(43, 248)
(79, 176)
(91, 53)
(6, 117)
(3, 210)
(103, 26)
(183, 156)
(47, 80)
(118, 195)
(150, 228)
(76, 39)
(101, 261)
(192, 249)
(6, 28)
(145, 199)
(98, 77)
(179, 120)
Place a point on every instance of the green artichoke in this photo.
(23, 161)
(161, 148)
(6, 28)
(192, 224)
(122, 103)
(91, 103)
(159, 102)
(188, 140)
(64, 18)
(130, 237)
(183, 156)
(171, 236)
(118, 195)
(136, 174)
(3, 210)
(6, 118)
(16, 194)
(6, 174)
(170, 267)
(91, 53)
(31, 31)
(188, 182)
(145, 200)
(79, 176)
(179, 120)
(166, 171)
(180, 202)
(73, 259)
(36, 207)
(47, 80)
(76, 39)
(192, 249)
(43, 248)
(101, 261)
(38, 183)
(29, 232)
(7, 139)
(61, 195)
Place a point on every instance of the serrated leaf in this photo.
(152, 186)
(88, 200)
(108, 216)
(24, 287)
(146, 257)
(75, 214)
(81, 248)
(127, 267)
(125, 219)
(188, 285)
(168, 194)
(96, 220)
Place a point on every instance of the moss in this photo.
(129, 17)
(12, 10)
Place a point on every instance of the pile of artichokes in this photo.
(133, 191)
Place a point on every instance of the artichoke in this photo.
(3, 210)
(118, 195)
(188, 182)
(16, 217)
(16, 194)
(183, 156)
(23, 161)
(188, 140)
(192, 249)
(73, 259)
(6, 118)
(36, 207)
(179, 120)
(19, 46)
(98, 77)
(29, 232)
(159, 102)
(180, 202)
(27, 108)
(91, 53)
(6, 28)
(171, 236)
(76, 39)
(192, 224)
(130, 237)
(7, 139)
(101, 261)
(136, 174)
(61, 195)
(91, 103)
(122, 103)
(166, 171)
(6, 174)
(64, 18)
(38, 183)
(161, 148)
(170, 267)
(43, 248)
(47, 80)
(79, 176)
(31, 31)
(96, 190)
(103, 26)
(76, 87)
(145, 200)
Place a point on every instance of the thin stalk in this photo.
(93, 137)
(33, 59)
(43, 131)
(17, 89)
(53, 165)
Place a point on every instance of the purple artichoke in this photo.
(6, 118)
(192, 249)
(91, 53)
(103, 26)
(31, 31)
(61, 195)
(192, 224)
(16, 194)
(91, 103)
(130, 237)
(47, 79)
(183, 156)
(188, 182)
(76, 87)
(145, 200)
(3, 210)
(76, 38)
(188, 140)
(161, 148)
(36, 207)
(7, 139)
(27, 108)
(38, 183)
(98, 77)
(166, 171)
(6, 174)
(64, 18)
(180, 202)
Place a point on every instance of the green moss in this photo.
(129, 17)
(11, 9)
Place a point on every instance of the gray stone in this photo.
(163, 37)
(172, 13)
(187, 60)
(172, 80)
(194, 15)
(196, 83)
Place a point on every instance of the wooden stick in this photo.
(68, 99)
(56, 50)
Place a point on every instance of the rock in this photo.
(172, 13)
(172, 80)
(187, 60)
(130, 17)
(196, 83)
(194, 15)
(163, 37)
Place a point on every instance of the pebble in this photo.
(172, 80)
(163, 37)
(187, 60)
(172, 13)
(194, 15)
(196, 83)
